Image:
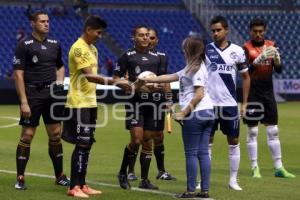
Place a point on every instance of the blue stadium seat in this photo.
(280, 28)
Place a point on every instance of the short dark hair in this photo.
(94, 22)
(34, 16)
(219, 19)
(257, 22)
(135, 28)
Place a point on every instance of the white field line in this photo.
(102, 184)
(91, 182)
(10, 125)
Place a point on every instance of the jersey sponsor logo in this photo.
(28, 42)
(137, 69)
(213, 57)
(161, 54)
(144, 58)
(86, 55)
(152, 53)
(35, 59)
(131, 53)
(213, 67)
(43, 47)
(221, 67)
(77, 52)
(52, 41)
(134, 121)
(16, 61)
(86, 130)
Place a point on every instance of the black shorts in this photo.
(228, 118)
(149, 115)
(42, 103)
(261, 109)
(79, 127)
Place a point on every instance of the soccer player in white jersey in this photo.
(223, 60)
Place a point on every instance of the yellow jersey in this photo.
(82, 93)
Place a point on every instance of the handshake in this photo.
(267, 53)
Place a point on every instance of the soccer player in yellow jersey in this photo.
(81, 103)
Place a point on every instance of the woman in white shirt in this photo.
(196, 114)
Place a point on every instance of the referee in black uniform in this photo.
(158, 136)
(39, 74)
(143, 116)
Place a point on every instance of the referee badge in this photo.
(35, 59)
(137, 69)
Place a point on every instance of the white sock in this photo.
(252, 145)
(209, 151)
(234, 159)
(274, 145)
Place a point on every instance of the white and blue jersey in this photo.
(222, 66)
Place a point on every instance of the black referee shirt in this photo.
(135, 62)
(39, 60)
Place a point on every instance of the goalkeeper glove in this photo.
(277, 60)
(267, 53)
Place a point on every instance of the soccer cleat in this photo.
(283, 173)
(90, 191)
(146, 184)
(132, 177)
(123, 181)
(187, 195)
(77, 192)
(256, 172)
(63, 181)
(234, 185)
(165, 176)
(20, 185)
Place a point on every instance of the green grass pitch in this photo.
(107, 153)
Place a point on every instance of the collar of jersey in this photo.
(229, 43)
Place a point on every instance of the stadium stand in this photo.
(247, 3)
(157, 2)
(281, 28)
(172, 25)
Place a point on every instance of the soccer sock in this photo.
(131, 163)
(127, 157)
(252, 145)
(274, 145)
(56, 154)
(145, 160)
(85, 152)
(22, 156)
(234, 159)
(159, 152)
(78, 166)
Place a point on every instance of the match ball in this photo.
(148, 87)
